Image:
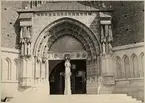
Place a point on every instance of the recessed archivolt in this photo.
(66, 26)
(86, 42)
(77, 36)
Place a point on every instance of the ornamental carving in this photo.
(25, 41)
(71, 27)
(106, 38)
(72, 55)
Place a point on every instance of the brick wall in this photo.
(128, 22)
(9, 36)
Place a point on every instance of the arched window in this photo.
(135, 66)
(142, 65)
(126, 68)
(6, 74)
(118, 68)
(13, 73)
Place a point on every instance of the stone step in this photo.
(38, 97)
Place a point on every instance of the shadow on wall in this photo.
(17, 32)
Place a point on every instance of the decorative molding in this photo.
(25, 23)
(129, 46)
(73, 55)
(105, 22)
(105, 14)
(30, 11)
(91, 41)
(9, 81)
(10, 50)
(125, 79)
(68, 13)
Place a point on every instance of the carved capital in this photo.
(38, 59)
(44, 59)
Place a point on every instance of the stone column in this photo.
(67, 90)
(47, 76)
(45, 73)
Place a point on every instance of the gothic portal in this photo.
(68, 37)
(72, 47)
(47, 37)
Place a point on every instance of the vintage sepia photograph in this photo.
(72, 51)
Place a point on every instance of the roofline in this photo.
(33, 11)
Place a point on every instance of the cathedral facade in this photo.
(104, 42)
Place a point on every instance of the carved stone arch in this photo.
(134, 65)
(45, 33)
(76, 37)
(44, 42)
(53, 38)
(79, 38)
(126, 67)
(118, 67)
(141, 64)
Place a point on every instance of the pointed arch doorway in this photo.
(69, 36)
